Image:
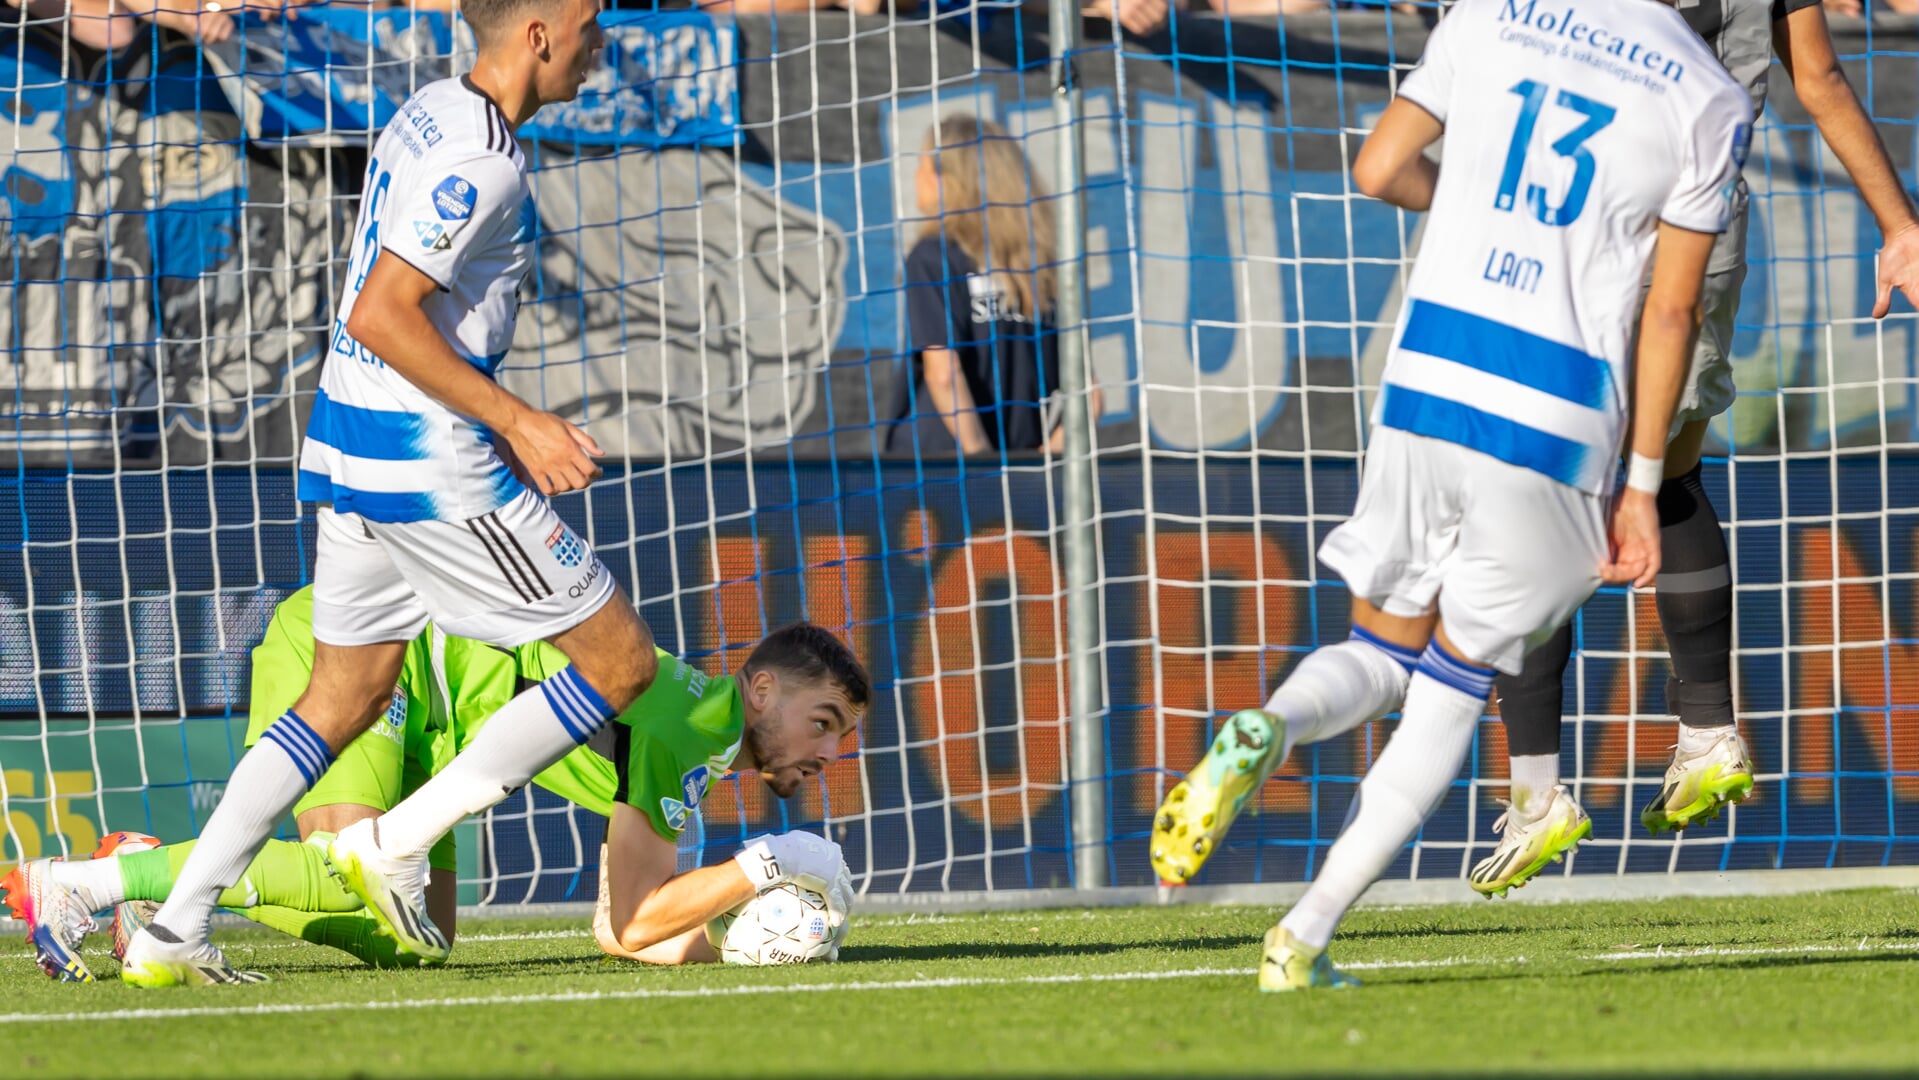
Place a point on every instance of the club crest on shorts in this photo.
(392, 723)
(567, 549)
(453, 199)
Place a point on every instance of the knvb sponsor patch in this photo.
(453, 199)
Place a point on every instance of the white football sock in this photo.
(272, 777)
(1443, 706)
(96, 880)
(1693, 740)
(537, 728)
(1534, 777)
(1340, 687)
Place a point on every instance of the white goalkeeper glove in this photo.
(838, 902)
(806, 860)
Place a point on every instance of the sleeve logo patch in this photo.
(693, 785)
(433, 235)
(675, 813)
(1741, 144)
(453, 199)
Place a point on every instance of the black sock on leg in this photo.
(1695, 603)
(1531, 702)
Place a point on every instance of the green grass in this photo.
(1771, 985)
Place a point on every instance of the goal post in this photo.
(725, 221)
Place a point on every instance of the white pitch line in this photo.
(646, 993)
(607, 995)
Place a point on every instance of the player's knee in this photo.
(626, 676)
(613, 652)
(339, 712)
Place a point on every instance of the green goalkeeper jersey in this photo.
(668, 746)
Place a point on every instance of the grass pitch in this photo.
(1696, 987)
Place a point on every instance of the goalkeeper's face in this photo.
(793, 733)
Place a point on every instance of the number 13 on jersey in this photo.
(1571, 145)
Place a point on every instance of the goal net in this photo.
(726, 216)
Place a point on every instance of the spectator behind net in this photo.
(979, 302)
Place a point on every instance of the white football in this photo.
(783, 925)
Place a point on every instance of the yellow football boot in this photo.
(1198, 811)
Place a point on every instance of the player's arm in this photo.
(1392, 165)
(1804, 45)
(466, 212)
(653, 914)
(389, 319)
(1668, 327)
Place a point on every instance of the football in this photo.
(783, 925)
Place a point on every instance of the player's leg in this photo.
(1331, 691)
(285, 873)
(1542, 820)
(1527, 555)
(1443, 704)
(374, 773)
(1530, 706)
(1710, 767)
(364, 614)
(1334, 689)
(548, 585)
(348, 927)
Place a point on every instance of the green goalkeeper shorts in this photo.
(374, 770)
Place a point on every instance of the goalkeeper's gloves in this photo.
(838, 902)
(809, 861)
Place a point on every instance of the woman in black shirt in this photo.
(979, 302)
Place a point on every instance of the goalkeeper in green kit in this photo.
(800, 691)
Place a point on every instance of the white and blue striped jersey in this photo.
(1573, 127)
(446, 191)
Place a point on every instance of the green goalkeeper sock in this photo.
(284, 874)
(354, 933)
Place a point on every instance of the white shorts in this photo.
(1506, 554)
(506, 578)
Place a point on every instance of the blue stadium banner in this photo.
(334, 76)
(666, 78)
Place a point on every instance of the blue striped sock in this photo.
(266, 784)
(1407, 658)
(580, 708)
(309, 752)
(1467, 678)
(538, 727)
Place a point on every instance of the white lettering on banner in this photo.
(1191, 400)
(654, 80)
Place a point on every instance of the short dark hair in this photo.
(489, 17)
(813, 653)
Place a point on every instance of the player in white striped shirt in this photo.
(427, 470)
(1578, 138)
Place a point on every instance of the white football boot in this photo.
(1699, 784)
(155, 958)
(394, 890)
(1530, 843)
(56, 917)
